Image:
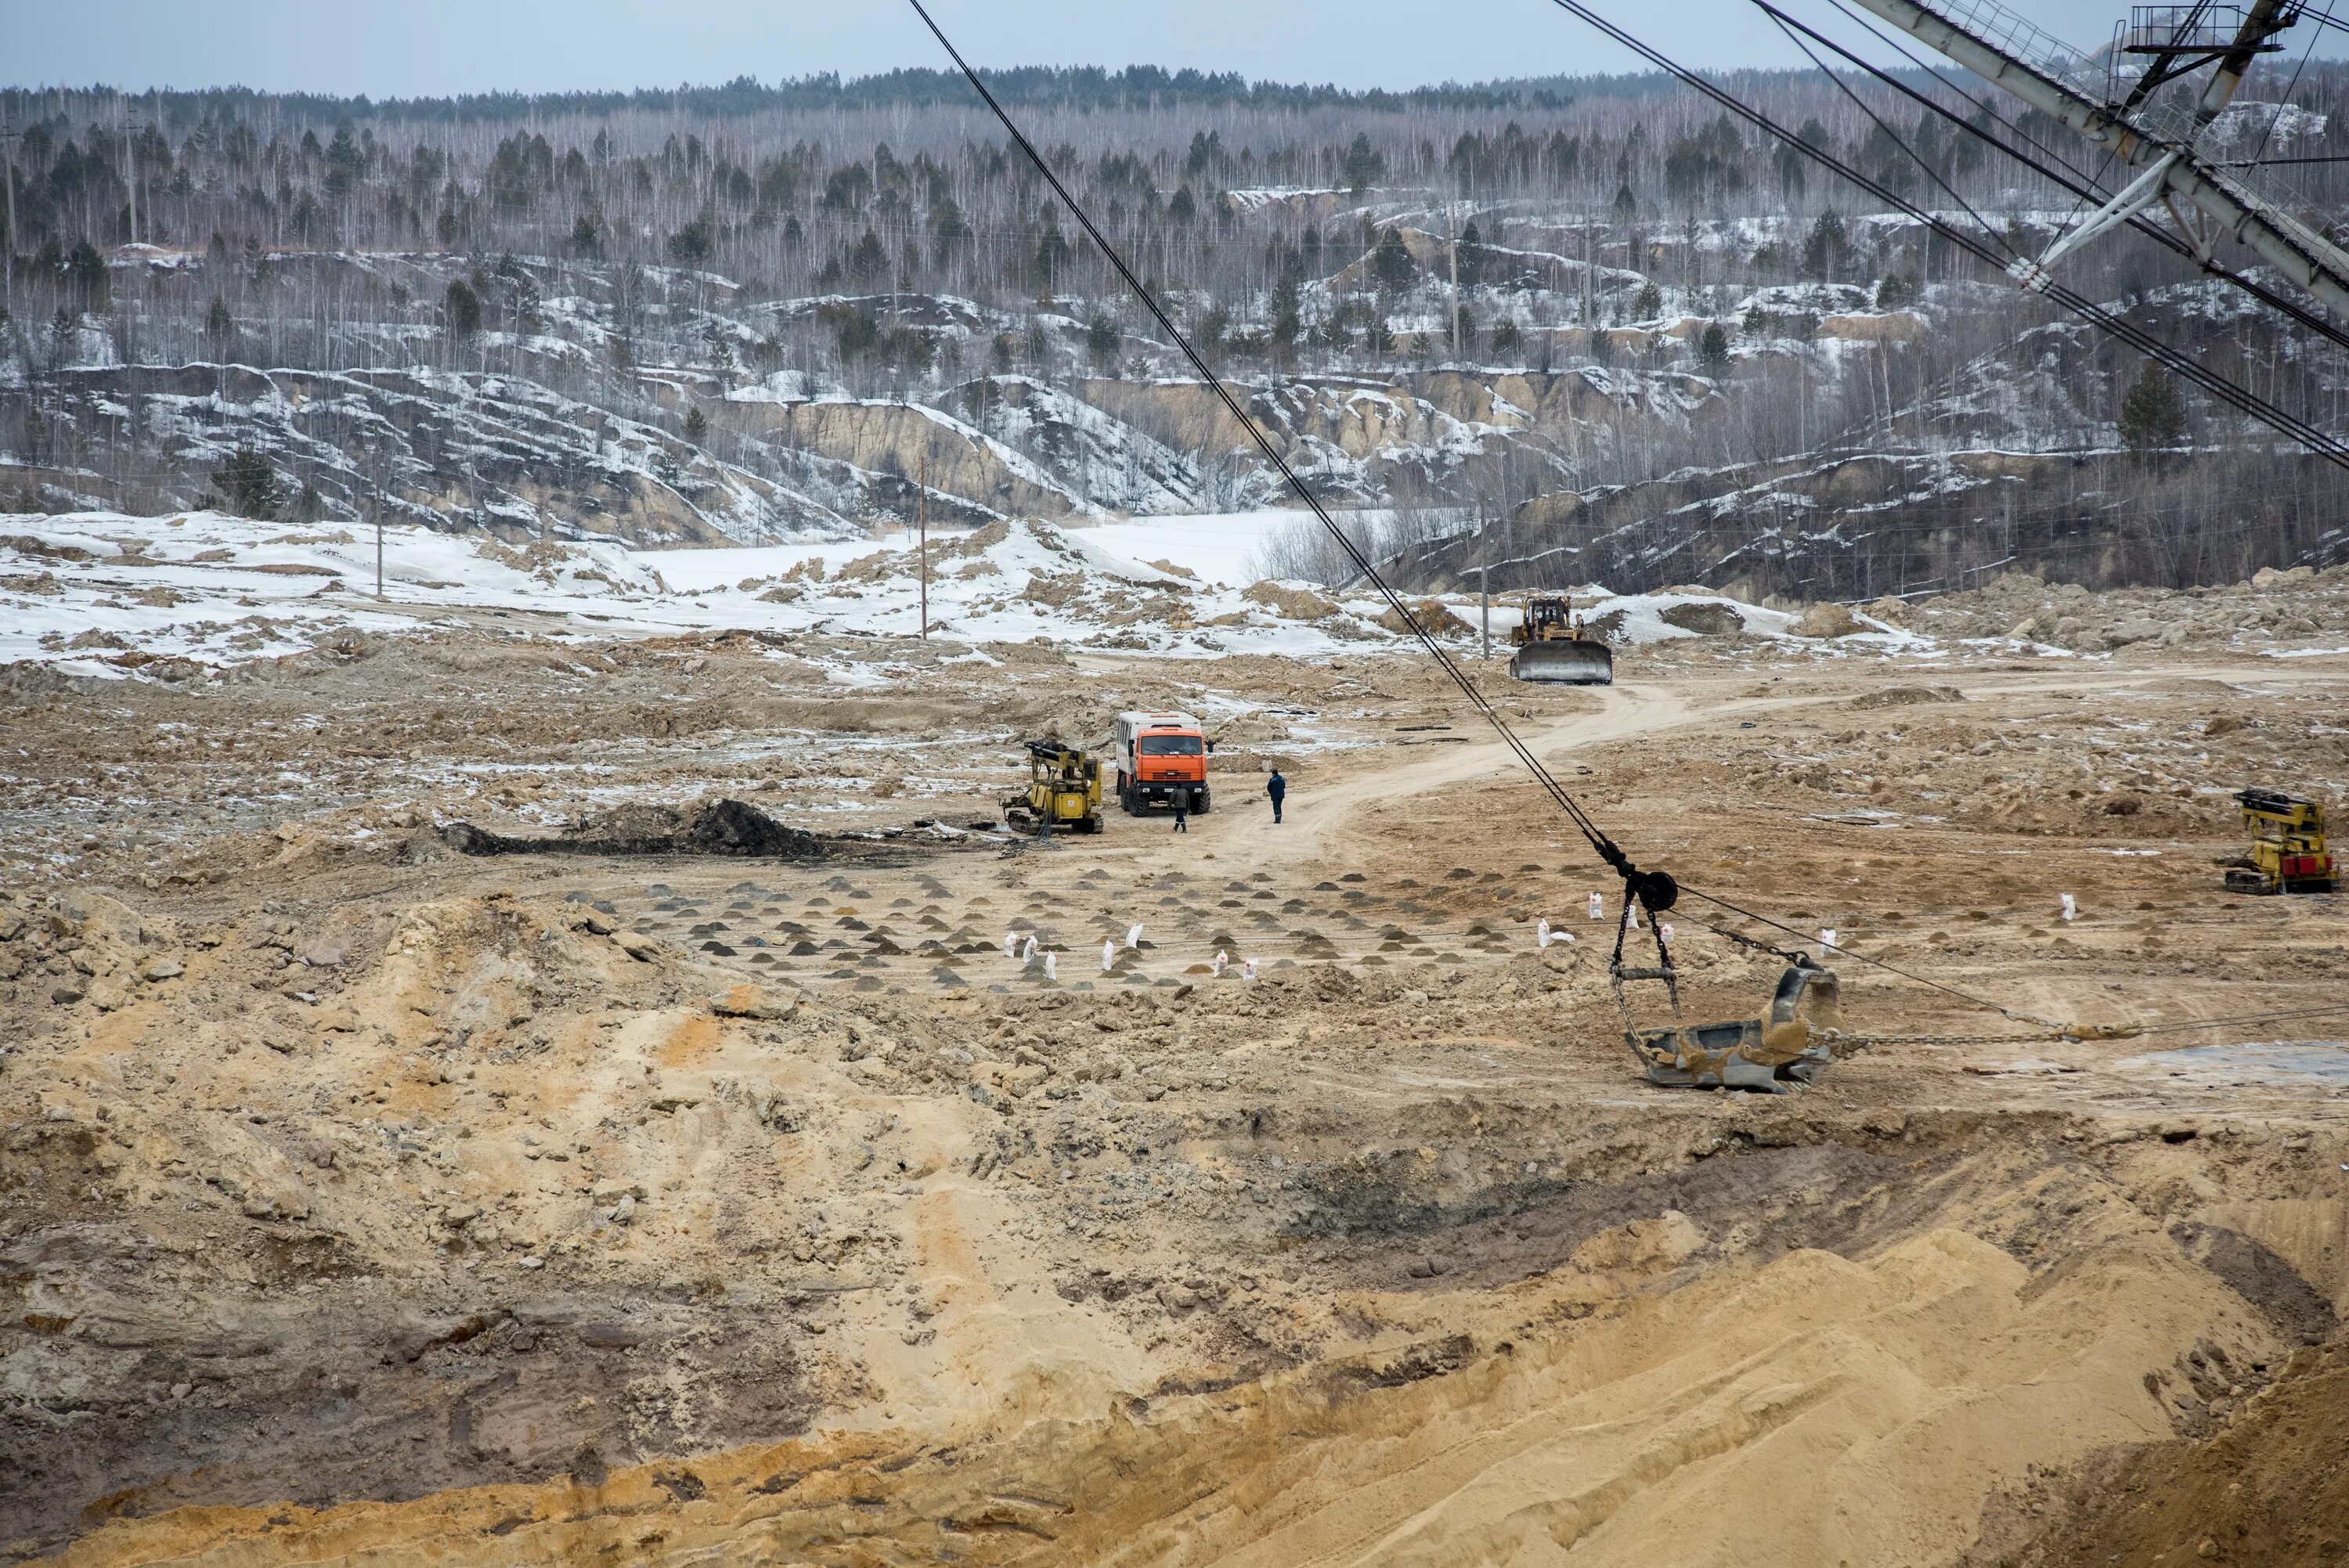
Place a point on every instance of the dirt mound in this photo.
(2296, 606)
(1907, 696)
(1434, 617)
(1610, 1424)
(718, 828)
(2272, 1490)
(1827, 621)
(1297, 603)
(1710, 618)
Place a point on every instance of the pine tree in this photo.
(86, 270)
(1647, 303)
(247, 486)
(2153, 415)
(219, 327)
(1712, 347)
(1286, 320)
(949, 230)
(1207, 337)
(1100, 339)
(1364, 167)
(1051, 257)
(690, 246)
(462, 308)
(696, 426)
(869, 261)
(1827, 250)
(346, 164)
(1392, 267)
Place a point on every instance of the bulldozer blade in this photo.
(1564, 663)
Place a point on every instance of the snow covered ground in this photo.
(107, 594)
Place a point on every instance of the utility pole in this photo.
(1590, 277)
(7, 137)
(1455, 296)
(922, 515)
(130, 170)
(379, 523)
(1484, 597)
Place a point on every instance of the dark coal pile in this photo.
(717, 828)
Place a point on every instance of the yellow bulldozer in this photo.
(1063, 791)
(2288, 853)
(1553, 647)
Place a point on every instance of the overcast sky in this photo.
(418, 48)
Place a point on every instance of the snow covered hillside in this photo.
(178, 597)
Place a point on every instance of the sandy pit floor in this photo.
(364, 1200)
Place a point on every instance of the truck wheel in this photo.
(1199, 803)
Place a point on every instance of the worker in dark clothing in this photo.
(1181, 812)
(1276, 787)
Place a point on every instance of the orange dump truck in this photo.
(1162, 760)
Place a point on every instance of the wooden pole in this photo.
(921, 511)
(1455, 300)
(6, 138)
(130, 170)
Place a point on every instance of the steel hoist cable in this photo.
(2065, 173)
(2238, 397)
(1656, 891)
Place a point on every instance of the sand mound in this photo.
(1706, 618)
(1827, 621)
(1907, 696)
(1283, 599)
(1817, 1410)
(2272, 1490)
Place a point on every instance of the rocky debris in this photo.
(1827, 619)
(722, 827)
(621, 477)
(1434, 617)
(1286, 599)
(1667, 1240)
(2276, 608)
(1906, 696)
(87, 947)
(750, 1001)
(1707, 619)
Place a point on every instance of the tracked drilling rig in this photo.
(1063, 791)
(2288, 852)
